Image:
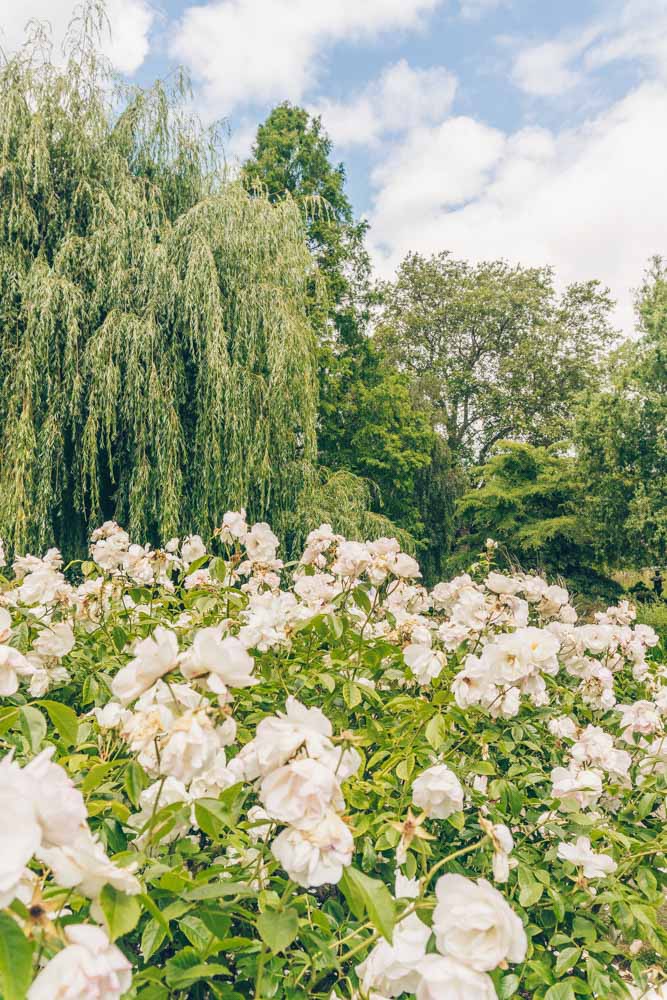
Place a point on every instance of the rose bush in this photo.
(226, 777)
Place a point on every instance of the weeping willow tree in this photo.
(156, 363)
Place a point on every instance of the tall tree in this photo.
(156, 363)
(621, 437)
(292, 155)
(492, 349)
(368, 420)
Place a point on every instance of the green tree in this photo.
(369, 422)
(530, 499)
(621, 437)
(156, 363)
(292, 155)
(492, 349)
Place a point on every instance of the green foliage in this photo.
(492, 349)
(156, 363)
(529, 497)
(621, 438)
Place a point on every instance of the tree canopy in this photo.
(492, 349)
(156, 363)
(621, 438)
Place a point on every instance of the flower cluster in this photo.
(317, 770)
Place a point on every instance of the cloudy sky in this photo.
(527, 129)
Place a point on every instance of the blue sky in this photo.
(526, 129)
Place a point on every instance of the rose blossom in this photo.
(438, 792)
(301, 793)
(88, 968)
(580, 854)
(474, 924)
(443, 978)
(316, 855)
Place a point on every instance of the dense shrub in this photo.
(226, 777)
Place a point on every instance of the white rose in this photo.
(278, 737)
(405, 566)
(20, 831)
(189, 747)
(438, 792)
(501, 584)
(5, 624)
(12, 666)
(352, 559)
(261, 544)
(210, 783)
(227, 659)
(580, 854)
(192, 549)
(317, 855)
(394, 968)
(301, 793)
(88, 968)
(575, 789)
(111, 715)
(474, 924)
(563, 728)
(425, 663)
(154, 657)
(154, 798)
(443, 978)
(55, 640)
(58, 803)
(84, 864)
(234, 525)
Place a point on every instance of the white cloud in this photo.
(589, 201)
(473, 10)
(247, 51)
(402, 97)
(631, 30)
(546, 70)
(126, 46)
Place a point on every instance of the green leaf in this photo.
(8, 717)
(33, 726)
(351, 694)
(530, 889)
(181, 978)
(361, 599)
(508, 986)
(566, 960)
(151, 939)
(99, 772)
(436, 732)
(15, 960)
(64, 719)
(135, 782)
(121, 911)
(370, 896)
(278, 928)
(561, 991)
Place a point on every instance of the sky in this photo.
(532, 130)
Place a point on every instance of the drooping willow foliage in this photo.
(156, 363)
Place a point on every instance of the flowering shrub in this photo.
(226, 777)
